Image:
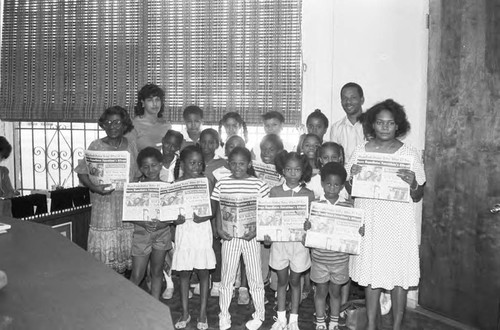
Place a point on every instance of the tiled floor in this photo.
(414, 319)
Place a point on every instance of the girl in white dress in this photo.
(193, 239)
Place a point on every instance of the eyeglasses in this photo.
(115, 123)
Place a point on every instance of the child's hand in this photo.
(198, 219)
(180, 220)
(307, 225)
(223, 235)
(101, 189)
(362, 230)
(267, 240)
(151, 226)
(356, 169)
(249, 236)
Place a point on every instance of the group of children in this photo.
(316, 171)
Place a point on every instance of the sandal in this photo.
(182, 324)
(202, 325)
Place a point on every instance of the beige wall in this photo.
(382, 45)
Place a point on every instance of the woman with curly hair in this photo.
(110, 239)
(388, 256)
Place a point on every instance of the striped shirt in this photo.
(249, 186)
(327, 257)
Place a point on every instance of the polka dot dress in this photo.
(389, 253)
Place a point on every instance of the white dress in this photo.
(193, 246)
(389, 253)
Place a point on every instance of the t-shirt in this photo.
(248, 186)
(328, 257)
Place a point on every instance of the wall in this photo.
(382, 45)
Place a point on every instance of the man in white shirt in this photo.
(348, 131)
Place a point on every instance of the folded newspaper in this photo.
(147, 201)
(334, 228)
(238, 214)
(282, 218)
(267, 173)
(108, 167)
(378, 177)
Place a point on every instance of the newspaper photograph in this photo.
(282, 218)
(185, 197)
(267, 173)
(108, 167)
(334, 228)
(378, 178)
(238, 214)
(146, 201)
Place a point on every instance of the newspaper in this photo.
(378, 178)
(267, 173)
(221, 172)
(238, 213)
(334, 228)
(108, 167)
(282, 218)
(145, 201)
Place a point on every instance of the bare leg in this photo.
(157, 262)
(204, 279)
(185, 276)
(334, 290)
(344, 295)
(398, 297)
(320, 299)
(296, 291)
(282, 284)
(372, 304)
(139, 264)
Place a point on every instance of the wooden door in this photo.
(460, 251)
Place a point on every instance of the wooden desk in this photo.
(53, 284)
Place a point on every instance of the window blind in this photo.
(69, 60)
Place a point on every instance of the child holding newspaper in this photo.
(330, 269)
(151, 239)
(193, 239)
(242, 183)
(290, 259)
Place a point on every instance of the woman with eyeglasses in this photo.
(149, 125)
(110, 239)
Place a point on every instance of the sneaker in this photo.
(253, 324)
(243, 296)
(333, 327)
(321, 326)
(196, 289)
(293, 326)
(224, 324)
(214, 291)
(342, 319)
(168, 293)
(278, 325)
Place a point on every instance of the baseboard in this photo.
(443, 319)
